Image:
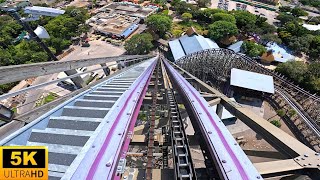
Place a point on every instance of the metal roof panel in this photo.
(251, 80)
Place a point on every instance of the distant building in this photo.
(250, 84)
(189, 43)
(276, 53)
(236, 47)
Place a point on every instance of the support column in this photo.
(78, 81)
(105, 70)
(219, 110)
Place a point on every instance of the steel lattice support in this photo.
(215, 66)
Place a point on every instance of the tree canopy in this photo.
(253, 49)
(298, 12)
(206, 14)
(314, 3)
(204, 3)
(306, 75)
(159, 24)
(221, 29)
(139, 44)
(271, 38)
(223, 17)
(244, 19)
(186, 16)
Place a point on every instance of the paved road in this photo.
(97, 49)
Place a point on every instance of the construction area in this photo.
(120, 19)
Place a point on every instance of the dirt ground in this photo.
(257, 149)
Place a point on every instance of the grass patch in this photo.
(183, 26)
(142, 116)
(14, 110)
(50, 97)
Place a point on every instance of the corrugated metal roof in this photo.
(280, 53)
(176, 49)
(211, 43)
(129, 30)
(251, 80)
(190, 44)
(43, 9)
(236, 47)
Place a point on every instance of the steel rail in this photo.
(230, 159)
(101, 161)
(311, 124)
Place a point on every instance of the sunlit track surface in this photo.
(79, 132)
(228, 156)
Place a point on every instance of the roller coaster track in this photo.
(88, 136)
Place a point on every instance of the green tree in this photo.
(295, 28)
(186, 17)
(284, 35)
(139, 44)
(223, 17)
(285, 9)
(295, 70)
(277, 123)
(159, 24)
(5, 57)
(284, 18)
(271, 38)
(292, 112)
(300, 44)
(244, 19)
(182, 7)
(206, 14)
(221, 29)
(314, 69)
(314, 49)
(252, 49)
(281, 113)
(58, 44)
(204, 3)
(298, 12)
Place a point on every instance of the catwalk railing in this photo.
(88, 135)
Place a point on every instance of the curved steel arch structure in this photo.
(214, 66)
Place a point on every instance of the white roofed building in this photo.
(190, 43)
(251, 83)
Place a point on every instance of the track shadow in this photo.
(266, 154)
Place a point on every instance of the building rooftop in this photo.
(279, 53)
(236, 47)
(252, 80)
(190, 44)
(311, 27)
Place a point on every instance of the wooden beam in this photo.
(280, 166)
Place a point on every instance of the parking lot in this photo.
(232, 5)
